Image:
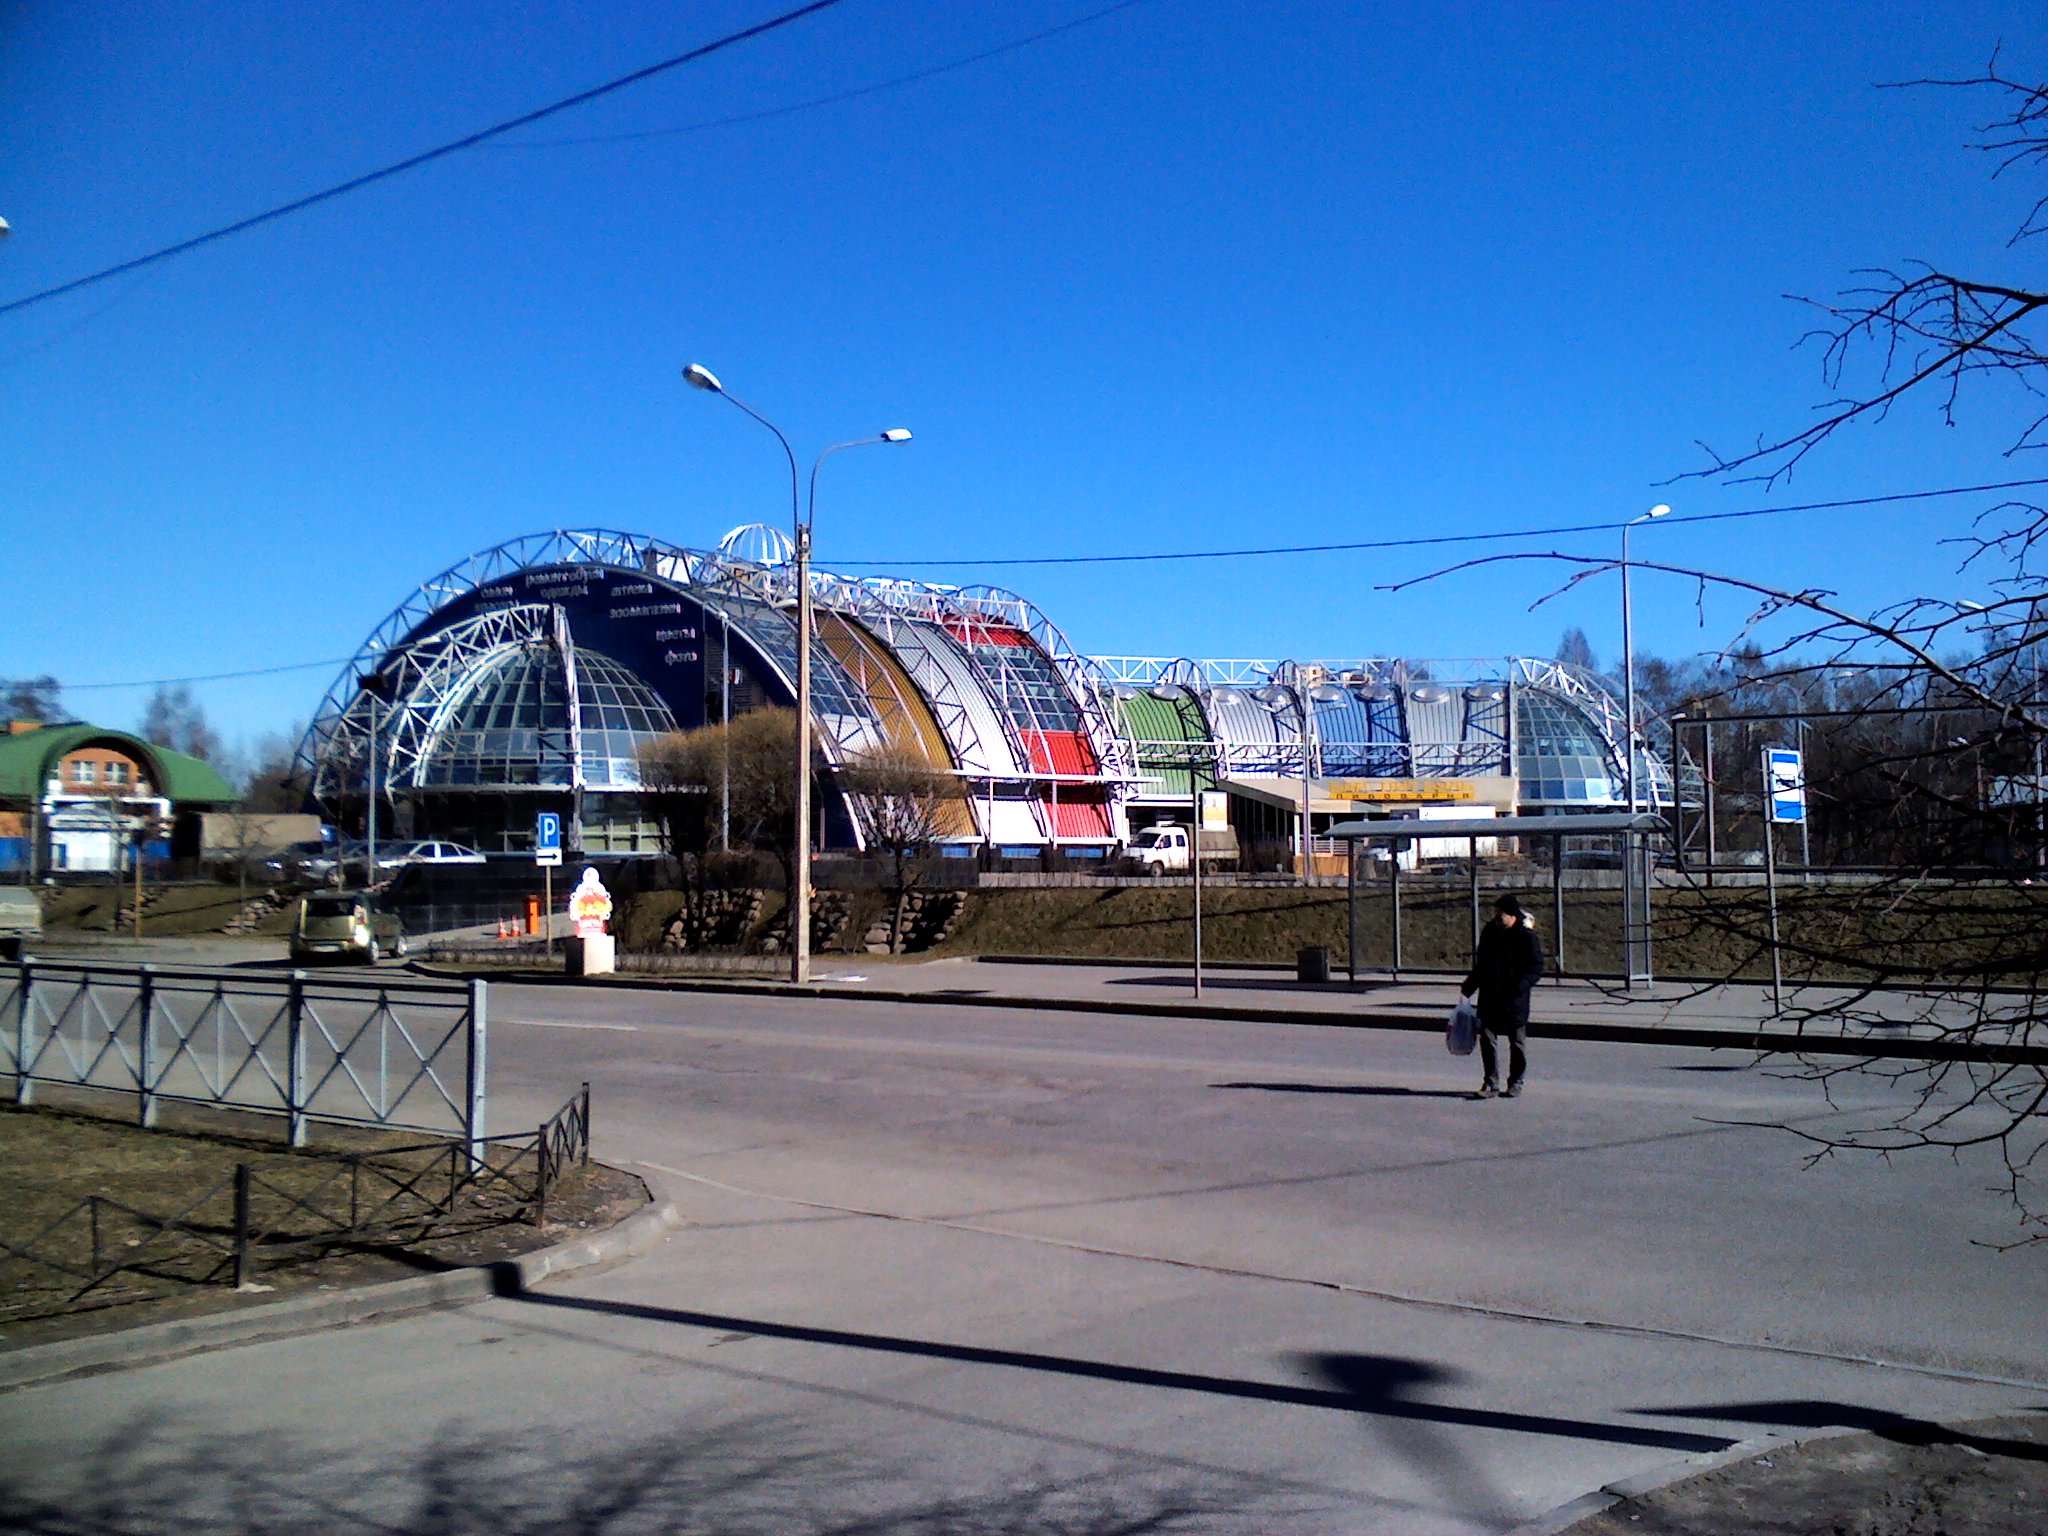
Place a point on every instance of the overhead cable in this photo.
(1438, 539)
(641, 135)
(469, 141)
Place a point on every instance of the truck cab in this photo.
(1163, 850)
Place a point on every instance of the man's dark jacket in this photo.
(1508, 963)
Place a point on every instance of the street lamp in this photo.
(1628, 653)
(697, 376)
(1635, 887)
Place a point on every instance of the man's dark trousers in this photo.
(1518, 1052)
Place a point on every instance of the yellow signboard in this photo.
(1402, 789)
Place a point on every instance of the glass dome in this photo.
(509, 726)
(1563, 758)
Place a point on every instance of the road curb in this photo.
(153, 1343)
(1756, 1041)
(1561, 1519)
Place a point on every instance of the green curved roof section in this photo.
(27, 759)
(1155, 724)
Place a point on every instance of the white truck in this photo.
(1163, 850)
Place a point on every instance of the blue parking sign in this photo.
(1785, 783)
(547, 837)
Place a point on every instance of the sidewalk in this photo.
(1737, 1016)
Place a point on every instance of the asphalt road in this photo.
(978, 1270)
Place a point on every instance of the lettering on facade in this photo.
(1402, 789)
(646, 610)
(634, 589)
(675, 658)
(686, 632)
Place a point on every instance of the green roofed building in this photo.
(85, 797)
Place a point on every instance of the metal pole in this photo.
(24, 1037)
(1628, 677)
(1771, 889)
(1472, 870)
(145, 1054)
(1707, 793)
(370, 785)
(1195, 870)
(800, 878)
(1308, 844)
(1557, 898)
(725, 720)
(295, 1059)
(1805, 812)
(1394, 893)
(241, 1225)
(473, 1087)
(1351, 910)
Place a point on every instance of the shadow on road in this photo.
(1369, 1090)
(1817, 1413)
(1371, 1385)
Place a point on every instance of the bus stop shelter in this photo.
(1634, 830)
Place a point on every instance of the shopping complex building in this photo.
(526, 678)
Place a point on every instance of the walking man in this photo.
(1508, 962)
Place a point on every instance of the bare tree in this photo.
(748, 766)
(907, 805)
(175, 719)
(1926, 732)
(40, 699)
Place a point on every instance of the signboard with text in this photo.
(1401, 789)
(547, 839)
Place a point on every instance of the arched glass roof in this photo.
(1563, 758)
(510, 725)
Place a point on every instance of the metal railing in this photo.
(405, 1054)
(108, 1252)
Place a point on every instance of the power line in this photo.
(1235, 554)
(209, 677)
(470, 141)
(1440, 539)
(827, 101)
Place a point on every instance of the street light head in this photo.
(697, 376)
(896, 435)
(1659, 510)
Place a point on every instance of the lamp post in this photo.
(1628, 654)
(1635, 881)
(375, 686)
(700, 377)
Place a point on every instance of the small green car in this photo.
(345, 925)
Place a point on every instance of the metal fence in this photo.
(405, 1054)
(103, 1252)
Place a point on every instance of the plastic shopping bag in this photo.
(1462, 1033)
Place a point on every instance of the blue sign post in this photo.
(1785, 782)
(547, 853)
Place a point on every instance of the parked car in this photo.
(345, 925)
(21, 919)
(397, 854)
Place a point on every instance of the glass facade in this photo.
(1562, 760)
(509, 728)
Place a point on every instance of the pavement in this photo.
(1018, 1235)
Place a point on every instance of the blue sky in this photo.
(1190, 276)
